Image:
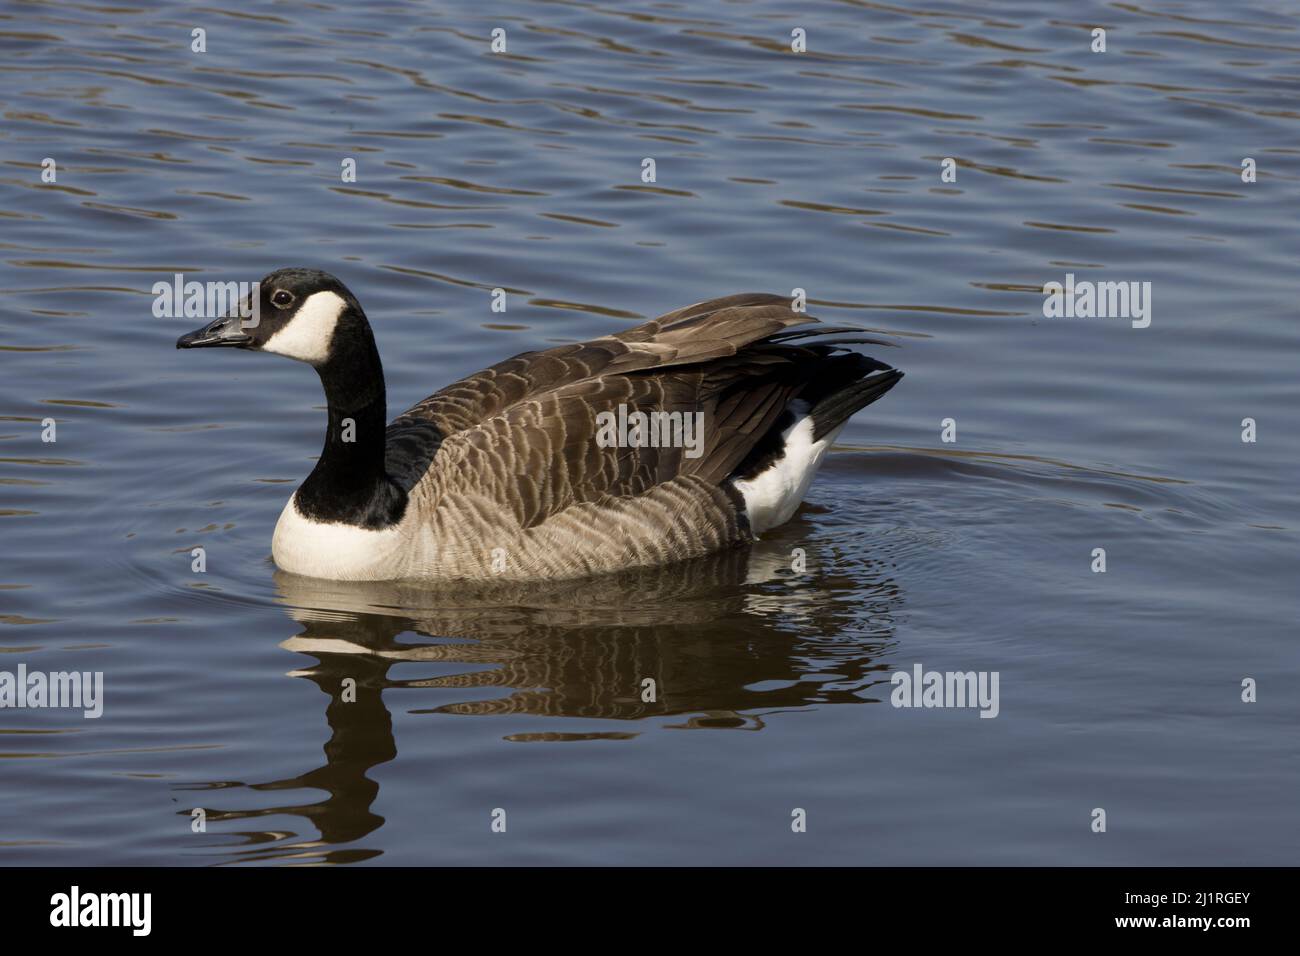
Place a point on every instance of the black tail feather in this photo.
(832, 384)
(835, 408)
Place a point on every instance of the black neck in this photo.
(349, 483)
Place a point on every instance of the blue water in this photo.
(775, 170)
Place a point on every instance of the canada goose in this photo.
(517, 473)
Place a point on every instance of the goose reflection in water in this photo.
(725, 639)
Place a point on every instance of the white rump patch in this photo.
(772, 496)
(307, 335)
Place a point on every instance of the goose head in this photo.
(303, 314)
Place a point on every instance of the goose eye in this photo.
(281, 299)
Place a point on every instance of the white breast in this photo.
(340, 552)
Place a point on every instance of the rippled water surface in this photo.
(774, 170)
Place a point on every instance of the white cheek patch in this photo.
(307, 336)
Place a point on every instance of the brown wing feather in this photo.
(713, 329)
(516, 444)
